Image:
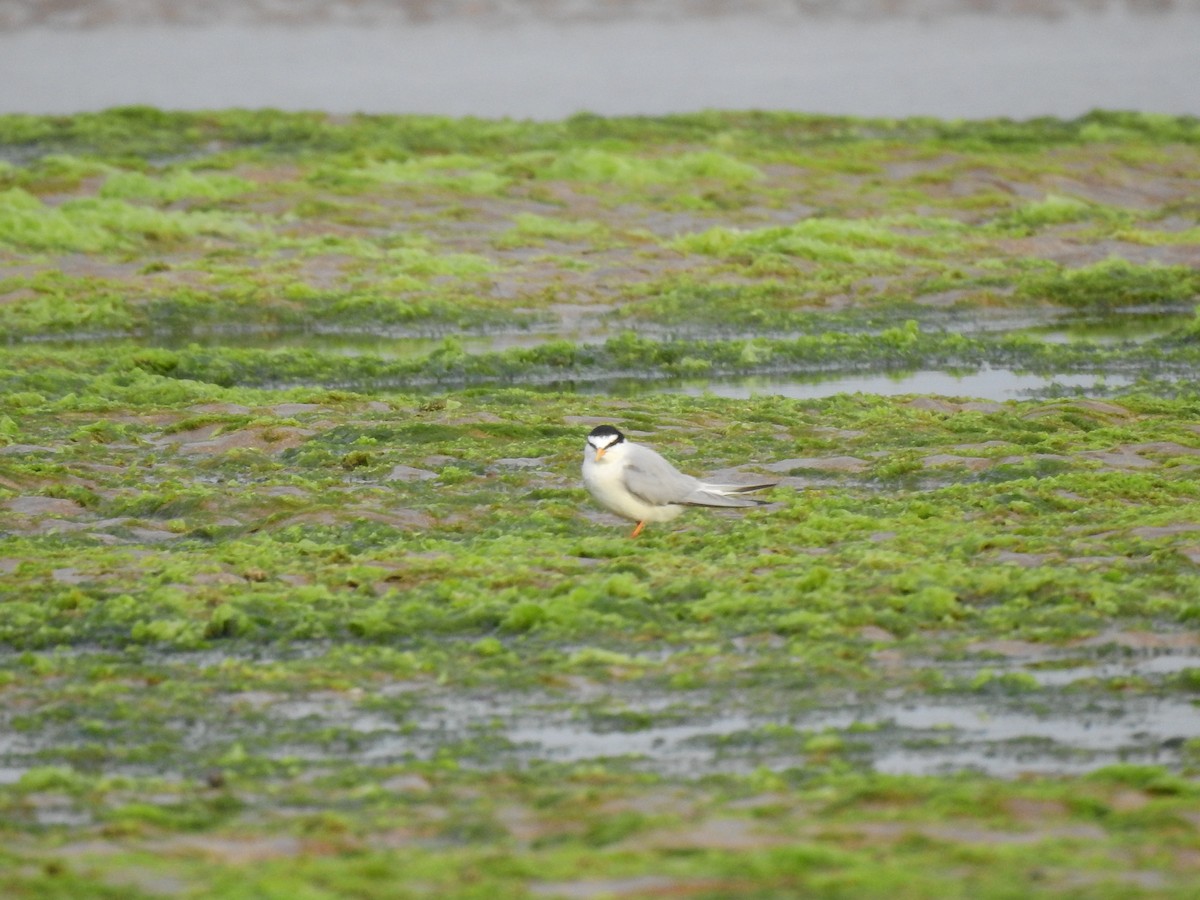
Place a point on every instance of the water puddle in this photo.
(1037, 729)
(1078, 734)
(1069, 710)
(1004, 737)
(590, 326)
(382, 343)
(1040, 728)
(918, 737)
(1136, 324)
(987, 384)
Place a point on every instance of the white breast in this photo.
(605, 482)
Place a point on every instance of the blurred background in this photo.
(547, 59)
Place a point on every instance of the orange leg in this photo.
(638, 530)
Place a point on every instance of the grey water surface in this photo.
(554, 58)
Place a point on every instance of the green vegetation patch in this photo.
(302, 594)
(174, 186)
(94, 225)
(1114, 283)
(859, 243)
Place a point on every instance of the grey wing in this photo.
(725, 495)
(654, 480)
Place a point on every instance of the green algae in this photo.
(296, 620)
(868, 244)
(1114, 283)
(1056, 210)
(959, 589)
(146, 132)
(404, 220)
(93, 225)
(173, 187)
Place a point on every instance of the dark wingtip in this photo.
(747, 488)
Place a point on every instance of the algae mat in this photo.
(302, 595)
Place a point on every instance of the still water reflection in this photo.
(986, 384)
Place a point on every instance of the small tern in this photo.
(636, 483)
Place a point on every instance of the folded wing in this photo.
(725, 495)
(655, 481)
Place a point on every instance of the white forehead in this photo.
(603, 440)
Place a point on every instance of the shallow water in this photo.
(948, 60)
(986, 384)
(1078, 708)
(1004, 735)
(915, 738)
(1133, 324)
(1072, 738)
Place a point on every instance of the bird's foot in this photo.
(638, 530)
